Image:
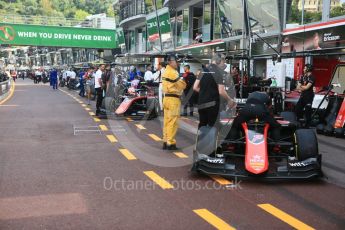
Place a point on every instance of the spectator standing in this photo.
(158, 79)
(81, 83)
(99, 88)
(148, 74)
(54, 79)
(88, 83)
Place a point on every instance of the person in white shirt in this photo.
(72, 74)
(148, 74)
(99, 88)
(158, 78)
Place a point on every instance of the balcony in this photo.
(132, 11)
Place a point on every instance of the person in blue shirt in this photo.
(54, 79)
(81, 82)
(132, 73)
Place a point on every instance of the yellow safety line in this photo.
(112, 138)
(96, 119)
(129, 119)
(87, 109)
(158, 180)
(220, 180)
(155, 137)
(83, 105)
(212, 219)
(140, 127)
(13, 87)
(180, 155)
(127, 154)
(103, 127)
(283, 216)
(92, 114)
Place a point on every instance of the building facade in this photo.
(253, 28)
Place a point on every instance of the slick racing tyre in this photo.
(306, 145)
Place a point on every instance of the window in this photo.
(230, 16)
(312, 12)
(337, 8)
(216, 24)
(207, 12)
(263, 16)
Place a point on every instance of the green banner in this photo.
(120, 39)
(165, 28)
(153, 32)
(33, 35)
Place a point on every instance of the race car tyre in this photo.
(339, 132)
(306, 145)
(328, 130)
(320, 128)
(289, 116)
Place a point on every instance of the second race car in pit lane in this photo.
(256, 154)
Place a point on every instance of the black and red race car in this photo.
(139, 103)
(256, 154)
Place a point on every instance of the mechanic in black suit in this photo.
(256, 107)
(305, 87)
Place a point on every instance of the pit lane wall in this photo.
(5, 87)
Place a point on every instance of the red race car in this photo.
(256, 154)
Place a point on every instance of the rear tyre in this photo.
(306, 145)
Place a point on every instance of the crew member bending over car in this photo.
(305, 86)
(255, 107)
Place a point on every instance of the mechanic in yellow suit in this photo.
(173, 86)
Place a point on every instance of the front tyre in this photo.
(306, 145)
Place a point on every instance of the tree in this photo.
(81, 15)
(338, 11)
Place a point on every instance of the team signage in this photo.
(35, 35)
(314, 39)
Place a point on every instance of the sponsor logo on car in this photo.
(215, 160)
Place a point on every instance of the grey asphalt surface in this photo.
(53, 179)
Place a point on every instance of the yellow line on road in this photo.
(212, 219)
(103, 127)
(127, 154)
(158, 180)
(180, 155)
(92, 114)
(96, 119)
(13, 87)
(155, 137)
(220, 180)
(283, 216)
(129, 119)
(83, 105)
(112, 138)
(87, 109)
(140, 127)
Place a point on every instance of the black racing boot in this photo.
(172, 147)
(165, 146)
